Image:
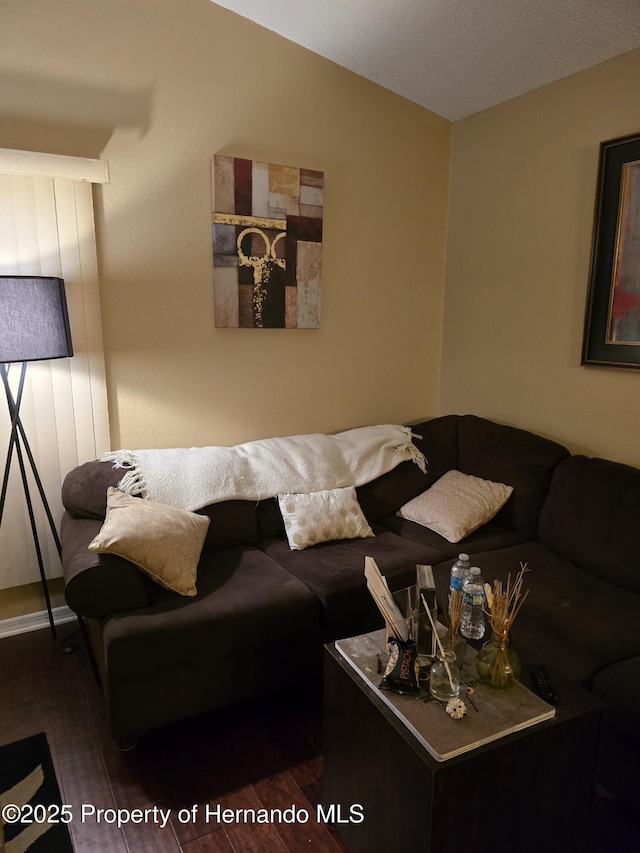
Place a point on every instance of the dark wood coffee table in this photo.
(525, 792)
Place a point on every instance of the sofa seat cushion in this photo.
(572, 618)
(334, 572)
(245, 600)
(487, 538)
(591, 518)
(619, 686)
(136, 704)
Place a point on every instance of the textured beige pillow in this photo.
(322, 517)
(456, 505)
(163, 541)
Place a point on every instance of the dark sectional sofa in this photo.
(263, 611)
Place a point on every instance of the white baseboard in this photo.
(35, 621)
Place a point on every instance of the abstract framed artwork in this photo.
(267, 244)
(612, 323)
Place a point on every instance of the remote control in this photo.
(544, 685)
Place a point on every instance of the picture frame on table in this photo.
(612, 322)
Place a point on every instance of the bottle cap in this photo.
(464, 557)
(475, 570)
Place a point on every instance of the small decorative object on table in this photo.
(444, 679)
(456, 709)
(497, 663)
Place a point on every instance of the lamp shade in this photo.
(34, 324)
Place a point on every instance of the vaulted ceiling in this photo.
(455, 57)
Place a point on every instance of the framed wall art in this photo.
(612, 325)
(267, 244)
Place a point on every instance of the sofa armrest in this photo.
(97, 585)
(619, 686)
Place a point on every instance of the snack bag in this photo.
(401, 674)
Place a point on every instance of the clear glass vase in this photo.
(444, 677)
(498, 664)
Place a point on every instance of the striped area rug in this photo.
(30, 816)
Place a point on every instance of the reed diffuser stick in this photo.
(455, 613)
(504, 603)
(442, 651)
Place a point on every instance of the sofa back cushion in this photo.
(233, 523)
(438, 441)
(84, 495)
(514, 457)
(270, 521)
(591, 518)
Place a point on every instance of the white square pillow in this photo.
(163, 541)
(456, 505)
(322, 517)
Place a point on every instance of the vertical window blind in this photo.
(47, 228)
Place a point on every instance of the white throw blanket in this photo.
(194, 477)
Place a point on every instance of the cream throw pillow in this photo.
(163, 541)
(456, 505)
(322, 517)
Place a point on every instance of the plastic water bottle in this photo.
(459, 572)
(472, 620)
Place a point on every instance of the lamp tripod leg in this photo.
(17, 433)
(36, 539)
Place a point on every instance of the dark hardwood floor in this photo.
(260, 755)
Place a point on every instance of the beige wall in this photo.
(175, 82)
(158, 86)
(519, 242)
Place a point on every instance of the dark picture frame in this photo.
(612, 323)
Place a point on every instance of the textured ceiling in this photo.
(455, 57)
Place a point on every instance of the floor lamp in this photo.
(34, 326)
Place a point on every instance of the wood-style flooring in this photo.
(265, 754)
